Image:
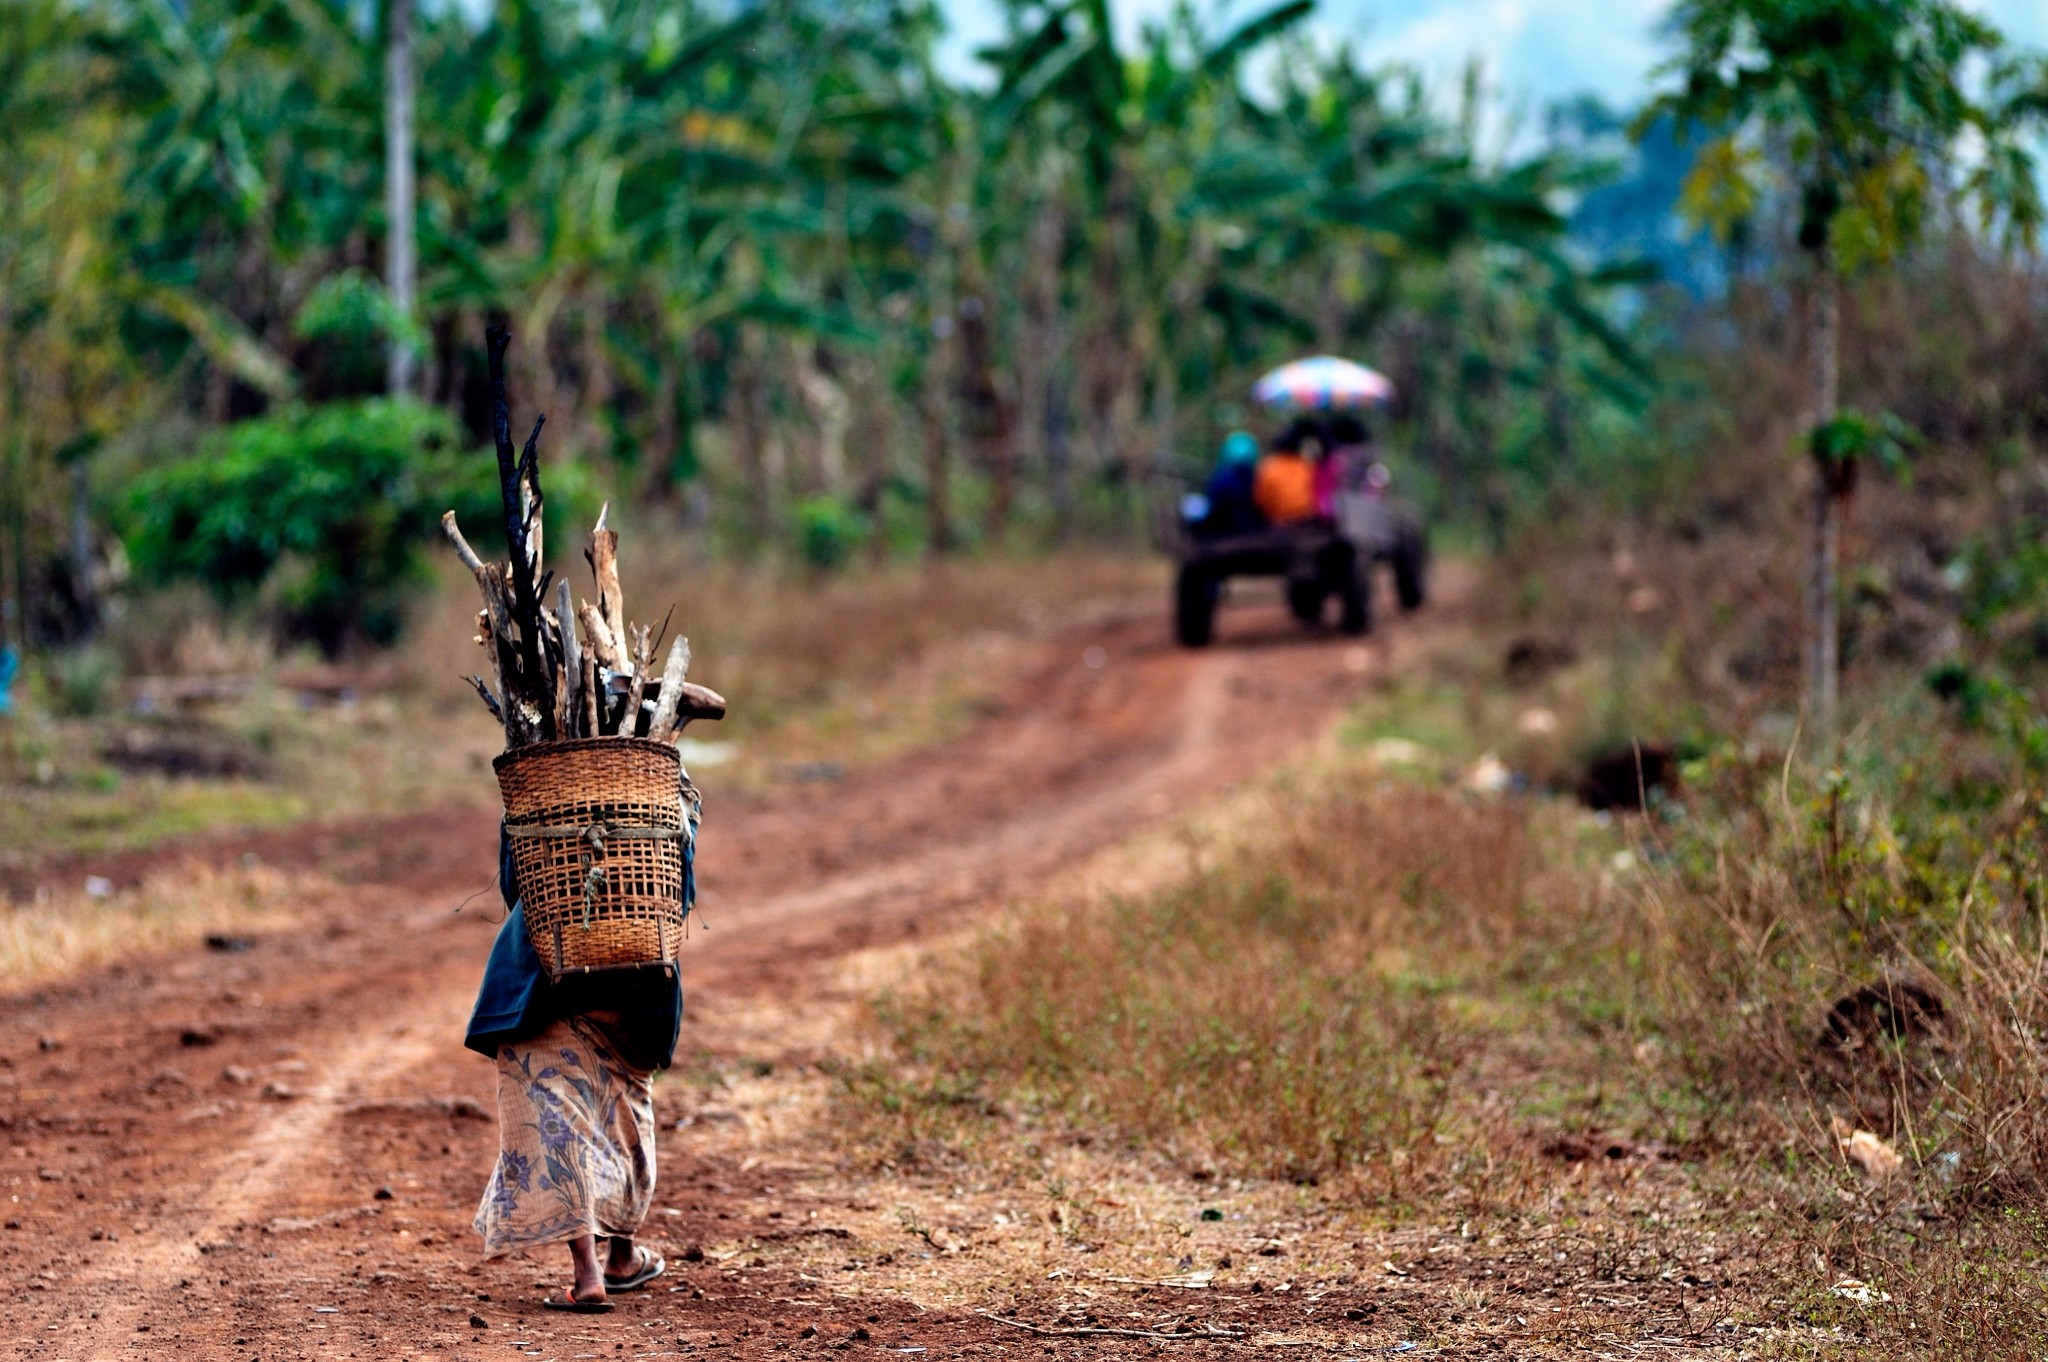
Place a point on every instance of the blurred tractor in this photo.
(1322, 556)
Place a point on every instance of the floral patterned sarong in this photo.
(575, 1140)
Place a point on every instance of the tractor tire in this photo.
(1410, 560)
(1305, 601)
(1355, 618)
(1194, 607)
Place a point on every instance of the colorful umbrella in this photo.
(1323, 383)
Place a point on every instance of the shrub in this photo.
(323, 511)
(83, 681)
(828, 531)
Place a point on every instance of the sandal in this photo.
(567, 1301)
(647, 1265)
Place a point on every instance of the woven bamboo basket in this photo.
(598, 830)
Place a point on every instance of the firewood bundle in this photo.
(546, 684)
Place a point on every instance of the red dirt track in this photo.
(160, 1208)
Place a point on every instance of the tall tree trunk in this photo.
(1823, 657)
(1557, 414)
(1035, 318)
(873, 439)
(663, 431)
(750, 435)
(937, 452)
(831, 412)
(84, 597)
(402, 260)
(1059, 457)
(985, 407)
(1107, 369)
(599, 386)
(13, 432)
(1041, 416)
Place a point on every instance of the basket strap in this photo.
(591, 831)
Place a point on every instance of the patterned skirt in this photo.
(575, 1140)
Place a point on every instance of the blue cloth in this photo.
(517, 998)
(1231, 508)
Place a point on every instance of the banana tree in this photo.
(1126, 121)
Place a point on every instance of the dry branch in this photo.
(604, 565)
(643, 664)
(490, 700)
(547, 682)
(661, 725)
(699, 702)
(517, 497)
(572, 661)
(590, 696)
(462, 548)
(606, 647)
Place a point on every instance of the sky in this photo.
(1534, 51)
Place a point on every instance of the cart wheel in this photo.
(1194, 607)
(1356, 598)
(1411, 566)
(1305, 601)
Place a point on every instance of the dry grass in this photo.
(175, 909)
(1405, 991)
(1347, 959)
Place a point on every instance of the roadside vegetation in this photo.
(99, 923)
(1564, 889)
(182, 722)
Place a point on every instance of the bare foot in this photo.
(589, 1277)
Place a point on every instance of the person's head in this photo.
(1347, 429)
(1300, 431)
(1239, 447)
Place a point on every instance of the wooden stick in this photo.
(572, 659)
(658, 728)
(643, 664)
(522, 710)
(530, 499)
(698, 702)
(490, 700)
(603, 554)
(606, 647)
(590, 696)
(496, 633)
(532, 675)
(560, 680)
(462, 548)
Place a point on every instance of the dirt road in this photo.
(275, 1153)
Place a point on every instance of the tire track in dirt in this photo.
(1079, 757)
(250, 1175)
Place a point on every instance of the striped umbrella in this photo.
(1322, 383)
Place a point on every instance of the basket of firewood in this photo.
(600, 816)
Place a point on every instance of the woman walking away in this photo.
(576, 1062)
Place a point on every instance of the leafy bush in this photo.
(83, 680)
(321, 511)
(828, 531)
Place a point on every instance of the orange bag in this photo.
(1284, 487)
